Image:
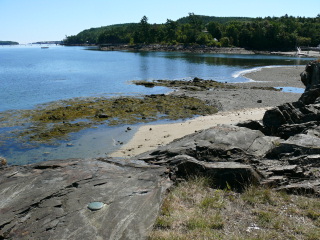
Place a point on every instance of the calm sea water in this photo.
(30, 75)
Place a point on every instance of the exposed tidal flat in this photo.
(61, 130)
(54, 123)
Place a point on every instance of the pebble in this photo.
(93, 206)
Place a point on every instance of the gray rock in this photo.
(49, 200)
(223, 174)
(287, 130)
(300, 144)
(306, 109)
(304, 188)
(312, 160)
(220, 143)
(311, 75)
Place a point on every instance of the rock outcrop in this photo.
(49, 200)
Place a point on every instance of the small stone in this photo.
(94, 206)
(259, 101)
(3, 161)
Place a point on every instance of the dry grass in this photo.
(193, 210)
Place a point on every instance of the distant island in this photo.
(265, 34)
(8, 43)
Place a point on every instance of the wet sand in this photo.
(235, 105)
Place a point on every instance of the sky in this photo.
(27, 21)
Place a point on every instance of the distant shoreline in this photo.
(198, 49)
(177, 48)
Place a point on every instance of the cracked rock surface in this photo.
(49, 200)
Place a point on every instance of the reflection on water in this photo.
(240, 60)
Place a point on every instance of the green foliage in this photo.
(276, 33)
(225, 42)
(214, 29)
(8, 43)
(221, 20)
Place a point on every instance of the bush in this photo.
(225, 42)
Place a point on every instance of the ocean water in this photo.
(31, 75)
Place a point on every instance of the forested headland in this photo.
(8, 43)
(269, 33)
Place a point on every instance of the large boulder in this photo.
(219, 143)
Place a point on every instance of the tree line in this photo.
(269, 33)
(8, 43)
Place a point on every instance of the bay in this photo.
(31, 75)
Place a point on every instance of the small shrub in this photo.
(265, 217)
(255, 195)
(163, 222)
(216, 201)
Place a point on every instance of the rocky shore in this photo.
(200, 49)
(281, 151)
(177, 48)
(50, 200)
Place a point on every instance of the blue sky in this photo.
(27, 21)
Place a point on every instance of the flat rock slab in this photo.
(50, 200)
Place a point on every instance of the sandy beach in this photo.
(235, 105)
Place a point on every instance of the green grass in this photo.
(193, 210)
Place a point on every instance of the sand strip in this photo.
(149, 137)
